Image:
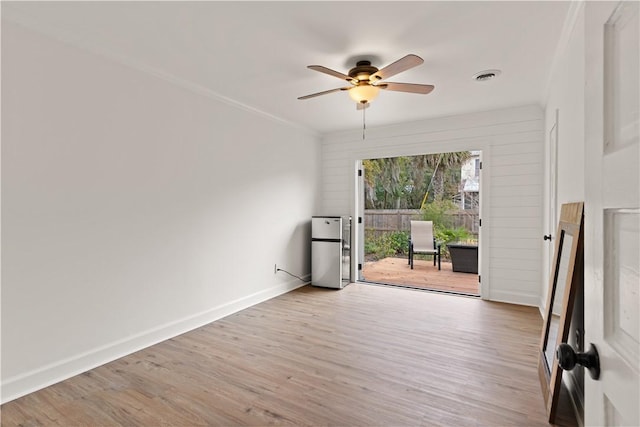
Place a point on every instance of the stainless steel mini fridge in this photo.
(331, 251)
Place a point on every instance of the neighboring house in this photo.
(469, 197)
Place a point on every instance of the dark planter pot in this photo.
(464, 257)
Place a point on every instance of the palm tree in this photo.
(444, 165)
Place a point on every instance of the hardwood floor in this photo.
(362, 356)
(395, 271)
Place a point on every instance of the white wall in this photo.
(134, 209)
(567, 95)
(512, 142)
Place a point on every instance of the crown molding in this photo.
(73, 39)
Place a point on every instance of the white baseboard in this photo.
(45, 376)
(541, 307)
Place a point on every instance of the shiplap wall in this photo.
(512, 144)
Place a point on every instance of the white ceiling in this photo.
(256, 53)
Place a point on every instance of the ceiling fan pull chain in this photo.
(364, 125)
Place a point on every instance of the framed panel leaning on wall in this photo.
(564, 280)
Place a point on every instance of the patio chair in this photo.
(423, 242)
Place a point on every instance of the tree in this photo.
(386, 183)
(446, 176)
(403, 182)
(371, 172)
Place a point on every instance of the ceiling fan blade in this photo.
(324, 92)
(329, 71)
(399, 66)
(406, 87)
(362, 105)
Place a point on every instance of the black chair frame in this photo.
(435, 255)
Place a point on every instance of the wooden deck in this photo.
(396, 271)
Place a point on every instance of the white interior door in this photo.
(612, 211)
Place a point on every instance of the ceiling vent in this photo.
(485, 75)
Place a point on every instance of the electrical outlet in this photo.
(275, 268)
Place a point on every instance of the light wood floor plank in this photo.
(363, 356)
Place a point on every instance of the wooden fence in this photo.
(382, 221)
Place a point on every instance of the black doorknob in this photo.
(568, 359)
(547, 237)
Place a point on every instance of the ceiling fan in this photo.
(367, 80)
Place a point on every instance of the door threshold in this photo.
(416, 288)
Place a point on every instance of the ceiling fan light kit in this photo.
(364, 93)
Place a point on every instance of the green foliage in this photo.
(444, 231)
(403, 182)
(387, 244)
(448, 235)
(439, 211)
